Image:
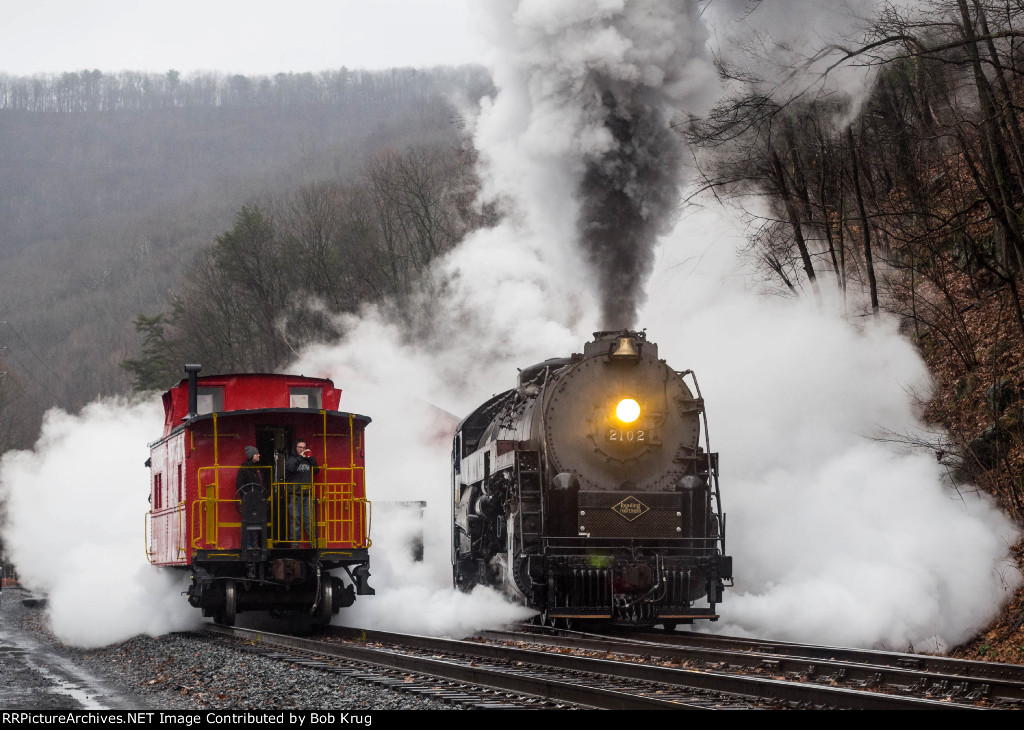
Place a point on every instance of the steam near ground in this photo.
(836, 537)
(74, 525)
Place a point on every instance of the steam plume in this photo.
(596, 83)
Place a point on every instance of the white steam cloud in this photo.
(411, 393)
(836, 537)
(74, 525)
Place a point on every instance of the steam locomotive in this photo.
(585, 492)
(245, 541)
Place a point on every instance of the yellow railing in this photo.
(338, 516)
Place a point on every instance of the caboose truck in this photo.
(242, 549)
(585, 492)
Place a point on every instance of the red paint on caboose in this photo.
(195, 514)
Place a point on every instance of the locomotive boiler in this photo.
(587, 493)
(253, 534)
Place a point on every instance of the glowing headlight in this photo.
(628, 410)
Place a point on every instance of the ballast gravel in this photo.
(190, 672)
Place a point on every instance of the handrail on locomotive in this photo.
(712, 463)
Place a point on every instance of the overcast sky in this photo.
(239, 36)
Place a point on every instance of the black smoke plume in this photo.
(630, 195)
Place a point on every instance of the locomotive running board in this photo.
(712, 616)
(569, 614)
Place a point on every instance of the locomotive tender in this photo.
(585, 492)
(243, 548)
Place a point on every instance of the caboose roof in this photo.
(247, 392)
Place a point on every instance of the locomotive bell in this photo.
(625, 349)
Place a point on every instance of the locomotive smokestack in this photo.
(192, 372)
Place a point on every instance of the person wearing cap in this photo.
(250, 478)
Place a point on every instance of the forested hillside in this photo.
(277, 281)
(908, 200)
(113, 182)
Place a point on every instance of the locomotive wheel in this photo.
(559, 623)
(227, 616)
(326, 607)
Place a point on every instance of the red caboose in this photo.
(256, 535)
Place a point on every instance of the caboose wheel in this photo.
(326, 607)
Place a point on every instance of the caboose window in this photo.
(209, 400)
(304, 398)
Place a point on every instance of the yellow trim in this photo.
(181, 528)
(323, 414)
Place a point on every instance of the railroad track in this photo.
(525, 669)
(931, 664)
(983, 684)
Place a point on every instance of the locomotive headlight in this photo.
(627, 410)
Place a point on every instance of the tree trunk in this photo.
(794, 217)
(868, 261)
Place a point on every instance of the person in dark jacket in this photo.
(299, 469)
(249, 478)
